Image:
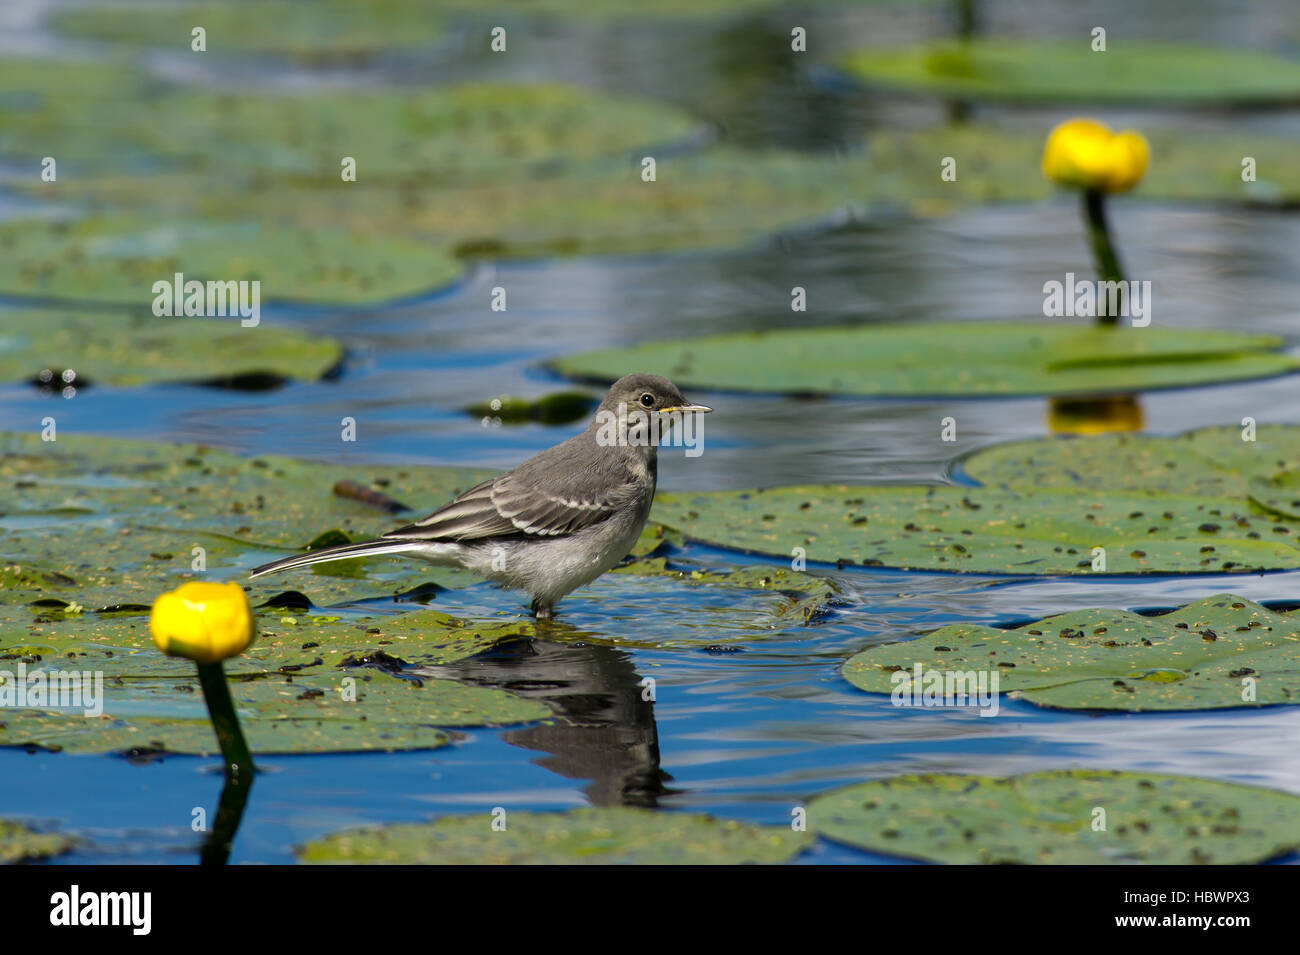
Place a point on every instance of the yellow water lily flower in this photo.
(1086, 154)
(202, 621)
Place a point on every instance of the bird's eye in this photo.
(648, 400)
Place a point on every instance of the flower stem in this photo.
(1103, 248)
(230, 810)
(216, 692)
(966, 19)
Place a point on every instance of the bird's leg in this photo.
(542, 610)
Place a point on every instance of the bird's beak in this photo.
(703, 409)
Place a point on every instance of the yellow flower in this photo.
(205, 622)
(1086, 154)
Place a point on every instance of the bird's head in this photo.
(650, 394)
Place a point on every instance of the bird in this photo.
(556, 522)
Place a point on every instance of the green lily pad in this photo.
(986, 530)
(138, 509)
(1048, 817)
(1195, 658)
(94, 529)
(309, 683)
(305, 711)
(1214, 461)
(734, 607)
(933, 358)
(20, 844)
(195, 737)
(1046, 72)
(71, 111)
(118, 261)
(307, 30)
(139, 348)
(579, 837)
(438, 134)
(708, 199)
(1279, 493)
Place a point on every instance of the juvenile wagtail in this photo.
(560, 519)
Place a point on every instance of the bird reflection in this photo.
(604, 727)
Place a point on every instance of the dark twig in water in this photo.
(368, 495)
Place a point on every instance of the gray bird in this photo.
(560, 519)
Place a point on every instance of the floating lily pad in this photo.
(734, 607)
(195, 737)
(20, 844)
(94, 529)
(138, 510)
(1047, 818)
(305, 711)
(932, 358)
(713, 198)
(1279, 493)
(1212, 461)
(992, 531)
(289, 686)
(1039, 72)
(310, 30)
(1223, 651)
(118, 261)
(579, 837)
(73, 112)
(139, 348)
(438, 134)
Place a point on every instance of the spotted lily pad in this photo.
(1211, 461)
(20, 844)
(435, 134)
(139, 348)
(1038, 72)
(986, 530)
(94, 529)
(316, 710)
(118, 261)
(732, 608)
(1223, 651)
(138, 510)
(1049, 818)
(966, 358)
(1279, 493)
(710, 198)
(309, 683)
(579, 837)
(72, 112)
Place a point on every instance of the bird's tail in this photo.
(341, 552)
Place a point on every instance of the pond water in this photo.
(747, 734)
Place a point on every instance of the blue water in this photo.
(748, 734)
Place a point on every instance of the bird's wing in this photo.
(509, 506)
